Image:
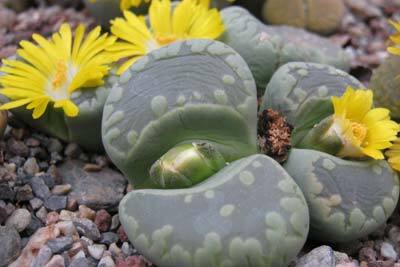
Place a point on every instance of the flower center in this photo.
(61, 74)
(359, 131)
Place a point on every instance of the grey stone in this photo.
(108, 238)
(6, 192)
(56, 203)
(114, 222)
(31, 167)
(54, 145)
(126, 249)
(251, 213)
(36, 203)
(56, 261)
(97, 190)
(61, 189)
(388, 251)
(106, 261)
(318, 257)
(24, 193)
(96, 251)
(34, 225)
(40, 189)
(87, 228)
(42, 214)
(10, 245)
(3, 212)
(19, 219)
(60, 244)
(43, 256)
(48, 179)
(80, 262)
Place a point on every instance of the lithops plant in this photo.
(321, 16)
(265, 48)
(347, 198)
(386, 84)
(249, 214)
(172, 121)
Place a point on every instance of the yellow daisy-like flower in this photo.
(395, 38)
(393, 155)
(188, 20)
(364, 131)
(52, 69)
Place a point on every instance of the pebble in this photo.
(72, 204)
(66, 215)
(114, 222)
(43, 256)
(87, 228)
(18, 148)
(19, 219)
(24, 193)
(108, 238)
(121, 234)
(67, 228)
(126, 249)
(3, 211)
(72, 151)
(48, 179)
(138, 261)
(367, 254)
(96, 190)
(106, 261)
(90, 167)
(42, 214)
(388, 251)
(56, 203)
(6, 192)
(80, 262)
(76, 247)
(79, 255)
(56, 261)
(115, 250)
(320, 256)
(61, 189)
(35, 203)
(103, 220)
(31, 167)
(40, 189)
(54, 145)
(96, 251)
(85, 212)
(10, 245)
(60, 244)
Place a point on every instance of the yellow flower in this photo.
(51, 70)
(363, 130)
(127, 4)
(188, 20)
(395, 38)
(393, 155)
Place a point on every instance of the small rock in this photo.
(96, 251)
(114, 250)
(10, 245)
(6, 192)
(42, 257)
(72, 151)
(56, 261)
(103, 220)
(18, 148)
(138, 261)
(80, 262)
(52, 218)
(114, 222)
(106, 261)
(320, 256)
(121, 234)
(54, 145)
(35, 203)
(7, 18)
(90, 167)
(85, 212)
(86, 241)
(56, 203)
(72, 204)
(42, 214)
(33, 226)
(31, 167)
(60, 244)
(24, 193)
(108, 238)
(126, 249)
(67, 228)
(79, 255)
(388, 251)
(87, 228)
(66, 215)
(48, 179)
(32, 142)
(97, 190)
(3, 212)
(19, 219)
(61, 189)
(39, 188)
